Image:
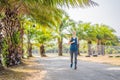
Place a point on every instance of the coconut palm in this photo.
(29, 30)
(89, 35)
(59, 31)
(42, 37)
(103, 33)
(42, 8)
(80, 33)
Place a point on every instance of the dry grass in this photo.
(29, 70)
(102, 59)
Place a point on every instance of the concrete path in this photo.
(57, 68)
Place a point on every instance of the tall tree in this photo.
(65, 22)
(103, 33)
(13, 8)
(42, 37)
(89, 35)
(80, 33)
(29, 31)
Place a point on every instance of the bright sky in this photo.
(108, 12)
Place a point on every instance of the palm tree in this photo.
(80, 33)
(12, 34)
(13, 8)
(59, 33)
(42, 37)
(44, 19)
(103, 33)
(89, 35)
(29, 30)
(99, 36)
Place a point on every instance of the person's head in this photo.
(74, 33)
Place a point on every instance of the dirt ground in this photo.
(30, 70)
(102, 59)
(33, 68)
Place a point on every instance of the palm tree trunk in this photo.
(102, 49)
(29, 46)
(21, 37)
(98, 47)
(42, 51)
(89, 48)
(30, 50)
(11, 30)
(60, 47)
(1, 67)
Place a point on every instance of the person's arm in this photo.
(70, 42)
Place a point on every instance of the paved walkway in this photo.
(57, 68)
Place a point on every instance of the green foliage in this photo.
(43, 36)
(4, 53)
(95, 32)
(16, 38)
(5, 47)
(61, 27)
(104, 32)
(111, 50)
(68, 3)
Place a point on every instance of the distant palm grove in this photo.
(25, 24)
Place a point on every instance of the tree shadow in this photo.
(13, 75)
(21, 72)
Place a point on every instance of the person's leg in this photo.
(71, 58)
(76, 54)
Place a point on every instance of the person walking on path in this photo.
(73, 50)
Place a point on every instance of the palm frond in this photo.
(68, 3)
